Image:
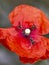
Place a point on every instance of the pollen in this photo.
(27, 31)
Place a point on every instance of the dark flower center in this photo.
(26, 32)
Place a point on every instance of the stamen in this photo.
(33, 27)
(19, 25)
(32, 41)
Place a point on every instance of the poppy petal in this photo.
(23, 47)
(23, 13)
(6, 32)
(47, 44)
(46, 55)
(28, 60)
(44, 26)
(31, 14)
(3, 33)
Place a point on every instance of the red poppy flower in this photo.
(26, 36)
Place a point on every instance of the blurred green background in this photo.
(6, 6)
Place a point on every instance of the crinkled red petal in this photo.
(23, 47)
(46, 55)
(47, 44)
(2, 33)
(26, 13)
(28, 60)
(44, 26)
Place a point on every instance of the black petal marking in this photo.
(33, 27)
(32, 41)
(19, 25)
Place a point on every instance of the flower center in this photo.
(27, 31)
